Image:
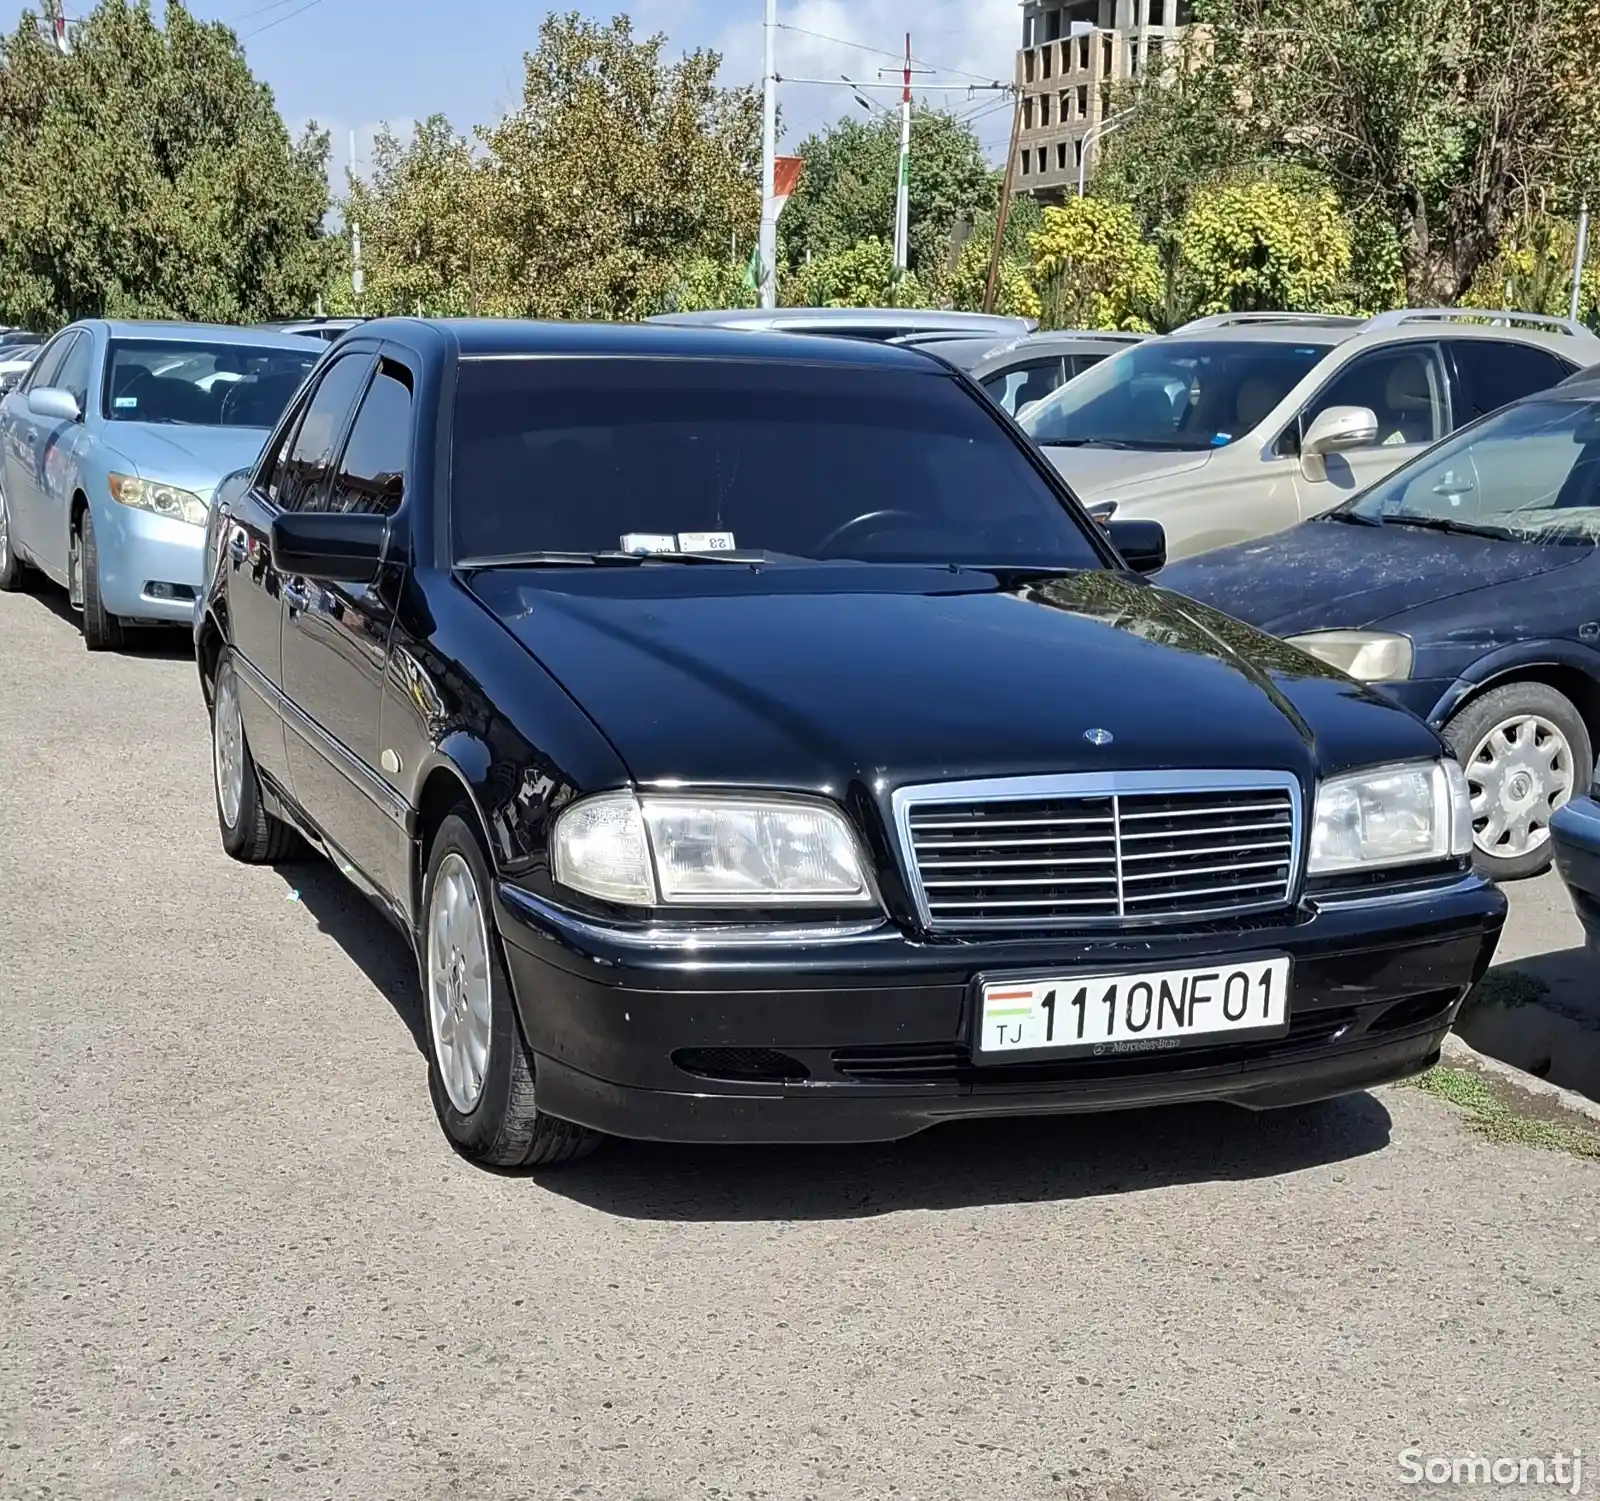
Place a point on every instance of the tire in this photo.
(488, 1111)
(102, 631)
(252, 836)
(15, 575)
(1526, 750)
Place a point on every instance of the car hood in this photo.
(1328, 574)
(823, 677)
(1097, 472)
(193, 457)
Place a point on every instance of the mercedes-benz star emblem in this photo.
(1099, 737)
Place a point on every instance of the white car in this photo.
(1246, 424)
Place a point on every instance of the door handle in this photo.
(238, 545)
(297, 597)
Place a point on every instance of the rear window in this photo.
(802, 461)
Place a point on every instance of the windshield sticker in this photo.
(125, 403)
(706, 542)
(1221, 440)
(647, 542)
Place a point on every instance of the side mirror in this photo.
(331, 547)
(1143, 544)
(53, 403)
(1339, 428)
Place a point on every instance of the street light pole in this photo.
(1577, 259)
(768, 249)
(1093, 134)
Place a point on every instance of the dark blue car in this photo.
(1466, 586)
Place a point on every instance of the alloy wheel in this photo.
(1518, 774)
(227, 746)
(459, 1008)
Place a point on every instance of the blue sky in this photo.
(351, 64)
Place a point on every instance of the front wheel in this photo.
(480, 1072)
(102, 631)
(1525, 750)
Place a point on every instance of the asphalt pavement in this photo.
(238, 1259)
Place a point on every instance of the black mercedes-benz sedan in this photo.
(757, 742)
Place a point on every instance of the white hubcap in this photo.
(1519, 774)
(227, 747)
(458, 982)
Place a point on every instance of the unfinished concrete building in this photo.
(1073, 52)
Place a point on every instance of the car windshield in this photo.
(201, 384)
(1185, 394)
(1531, 472)
(795, 459)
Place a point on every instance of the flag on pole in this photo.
(785, 174)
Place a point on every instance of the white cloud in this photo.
(966, 41)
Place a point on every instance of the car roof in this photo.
(157, 330)
(1403, 325)
(508, 337)
(923, 319)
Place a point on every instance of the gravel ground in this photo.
(238, 1259)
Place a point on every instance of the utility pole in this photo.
(902, 197)
(56, 19)
(1577, 259)
(1007, 186)
(768, 250)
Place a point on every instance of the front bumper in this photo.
(138, 549)
(1575, 839)
(863, 1035)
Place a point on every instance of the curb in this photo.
(1456, 1051)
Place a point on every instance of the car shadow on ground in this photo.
(363, 932)
(169, 643)
(959, 1165)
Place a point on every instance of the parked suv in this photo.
(1245, 424)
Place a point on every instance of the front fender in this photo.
(1511, 659)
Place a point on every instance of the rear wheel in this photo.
(102, 631)
(14, 573)
(1525, 750)
(480, 1071)
(249, 833)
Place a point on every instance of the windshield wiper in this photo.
(1353, 518)
(610, 559)
(1459, 528)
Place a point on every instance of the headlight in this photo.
(1370, 656)
(162, 500)
(706, 852)
(1393, 815)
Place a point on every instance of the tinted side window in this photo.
(1494, 373)
(73, 375)
(1404, 387)
(308, 466)
(45, 367)
(372, 474)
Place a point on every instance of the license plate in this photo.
(1143, 1011)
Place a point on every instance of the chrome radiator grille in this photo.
(1096, 851)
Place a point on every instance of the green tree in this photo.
(1532, 272)
(846, 191)
(421, 242)
(1092, 267)
(618, 167)
(860, 275)
(1447, 117)
(1262, 245)
(149, 174)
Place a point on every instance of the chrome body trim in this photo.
(1108, 784)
